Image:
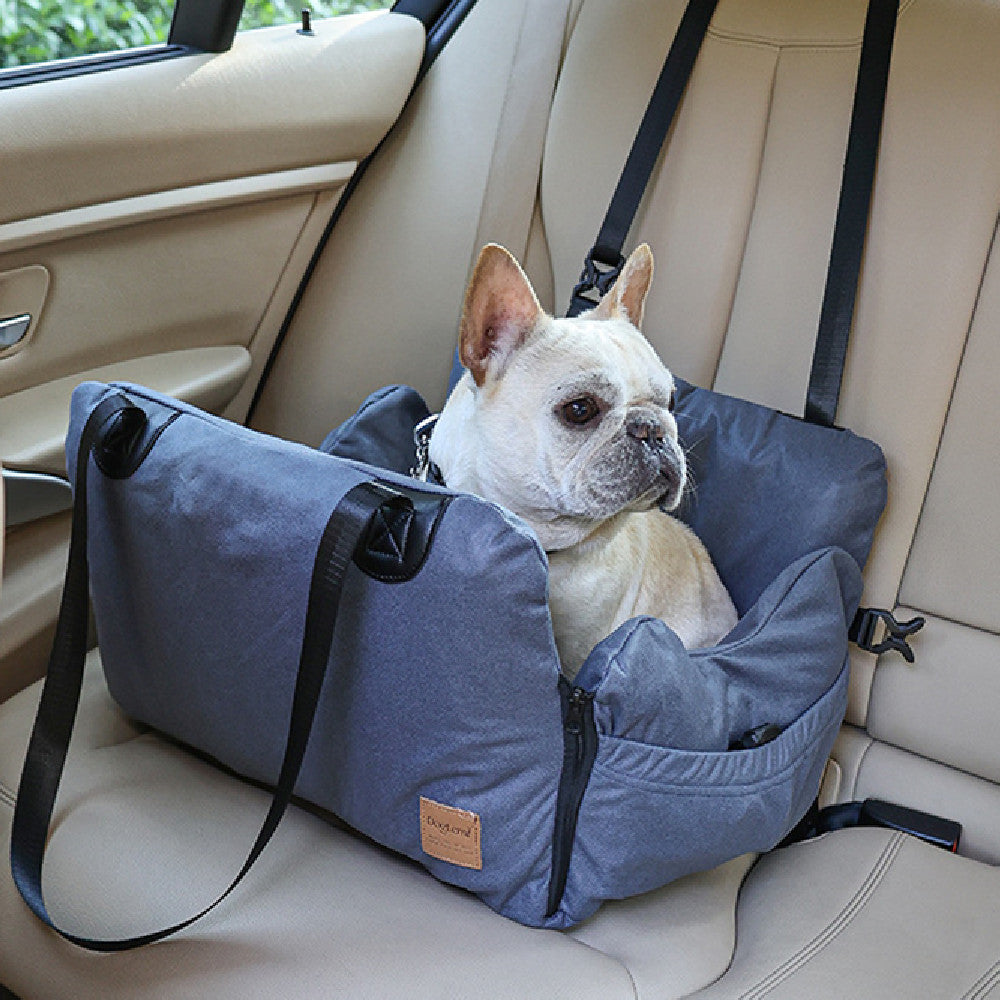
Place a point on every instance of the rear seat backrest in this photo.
(740, 218)
(741, 215)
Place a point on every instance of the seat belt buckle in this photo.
(600, 271)
(865, 626)
(936, 830)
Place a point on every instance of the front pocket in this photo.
(654, 814)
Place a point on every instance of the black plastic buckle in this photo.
(600, 271)
(936, 830)
(865, 625)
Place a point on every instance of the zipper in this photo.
(579, 752)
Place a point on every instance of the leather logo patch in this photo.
(450, 834)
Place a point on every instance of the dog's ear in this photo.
(628, 294)
(500, 311)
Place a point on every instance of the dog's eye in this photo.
(580, 411)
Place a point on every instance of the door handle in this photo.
(13, 329)
(33, 495)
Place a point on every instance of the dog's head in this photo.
(566, 422)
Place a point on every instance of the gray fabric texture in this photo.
(446, 686)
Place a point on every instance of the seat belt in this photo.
(605, 261)
(844, 271)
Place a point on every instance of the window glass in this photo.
(33, 31)
(263, 13)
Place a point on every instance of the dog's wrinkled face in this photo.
(567, 422)
(604, 437)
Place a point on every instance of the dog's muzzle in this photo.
(647, 429)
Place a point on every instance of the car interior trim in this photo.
(32, 421)
(100, 62)
(34, 495)
(207, 25)
(97, 218)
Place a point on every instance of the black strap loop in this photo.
(642, 157)
(49, 741)
(844, 271)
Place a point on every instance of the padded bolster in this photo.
(786, 648)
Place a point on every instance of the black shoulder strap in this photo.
(604, 262)
(844, 271)
(110, 426)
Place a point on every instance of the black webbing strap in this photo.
(936, 830)
(61, 692)
(604, 262)
(846, 251)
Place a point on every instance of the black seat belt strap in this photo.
(111, 426)
(846, 251)
(604, 262)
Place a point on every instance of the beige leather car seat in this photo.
(739, 216)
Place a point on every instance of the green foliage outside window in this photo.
(34, 31)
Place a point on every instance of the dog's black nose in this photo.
(646, 428)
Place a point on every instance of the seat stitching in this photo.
(7, 796)
(835, 927)
(817, 44)
(985, 984)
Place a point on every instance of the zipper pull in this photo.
(578, 699)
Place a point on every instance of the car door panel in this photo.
(277, 100)
(155, 222)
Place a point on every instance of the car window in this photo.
(37, 31)
(34, 31)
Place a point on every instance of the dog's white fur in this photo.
(595, 491)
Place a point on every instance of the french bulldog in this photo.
(569, 424)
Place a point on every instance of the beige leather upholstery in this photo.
(324, 913)
(264, 132)
(739, 215)
(865, 913)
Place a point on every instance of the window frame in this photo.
(199, 26)
(196, 26)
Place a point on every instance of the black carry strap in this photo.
(604, 262)
(113, 427)
(844, 271)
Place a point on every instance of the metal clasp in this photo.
(422, 440)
